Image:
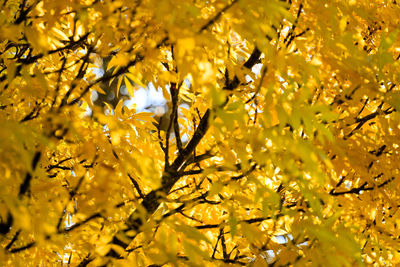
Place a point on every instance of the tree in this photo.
(287, 153)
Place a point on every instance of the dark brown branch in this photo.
(218, 225)
(386, 182)
(253, 59)
(223, 245)
(71, 195)
(55, 166)
(137, 187)
(196, 159)
(160, 141)
(357, 190)
(217, 16)
(34, 113)
(73, 227)
(341, 181)
(365, 119)
(290, 36)
(172, 173)
(174, 98)
(179, 188)
(88, 259)
(252, 168)
(16, 250)
(5, 225)
(362, 108)
(194, 141)
(70, 46)
(189, 217)
(57, 89)
(216, 245)
(23, 12)
(152, 200)
(378, 152)
(175, 121)
(81, 72)
(250, 62)
(27, 181)
(15, 238)
(174, 211)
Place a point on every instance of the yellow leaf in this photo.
(60, 34)
(129, 87)
(119, 60)
(135, 79)
(185, 45)
(118, 108)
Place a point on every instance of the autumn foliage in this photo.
(279, 144)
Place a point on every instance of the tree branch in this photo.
(217, 16)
